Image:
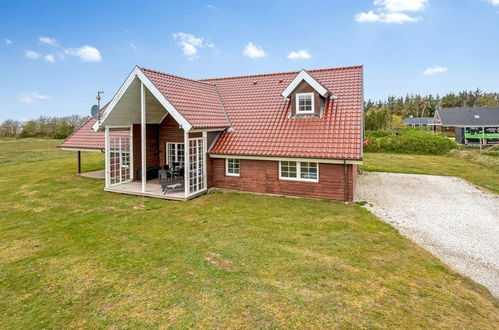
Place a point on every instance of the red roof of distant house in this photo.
(198, 102)
(259, 116)
(262, 126)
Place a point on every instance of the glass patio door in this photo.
(196, 165)
(119, 159)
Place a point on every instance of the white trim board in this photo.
(81, 149)
(303, 75)
(137, 73)
(292, 159)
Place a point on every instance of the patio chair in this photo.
(178, 173)
(163, 176)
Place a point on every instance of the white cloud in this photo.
(8, 41)
(494, 2)
(372, 17)
(392, 11)
(31, 54)
(85, 53)
(434, 69)
(49, 58)
(253, 51)
(132, 46)
(299, 55)
(48, 41)
(32, 97)
(188, 42)
(402, 5)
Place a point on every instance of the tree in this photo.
(30, 129)
(10, 128)
(377, 119)
(64, 130)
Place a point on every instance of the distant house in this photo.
(426, 122)
(471, 125)
(292, 133)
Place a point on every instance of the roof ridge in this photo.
(174, 76)
(284, 72)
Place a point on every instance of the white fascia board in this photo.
(303, 75)
(137, 73)
(292, 159)
(81, 149)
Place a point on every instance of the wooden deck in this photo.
(153, 189)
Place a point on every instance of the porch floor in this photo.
(153, 189)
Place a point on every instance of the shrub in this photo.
(412, 141)
(370, 135)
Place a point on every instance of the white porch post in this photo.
(107, 155)
(143, 135)
(205, 158)
(186, 163)
(132, 174)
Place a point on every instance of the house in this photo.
(293, 133)
(471, 125)
(425, 122)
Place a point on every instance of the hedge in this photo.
(410, 141)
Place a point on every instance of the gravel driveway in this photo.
(448, 216)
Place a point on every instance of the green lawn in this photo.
(72, 255)
(485, 176)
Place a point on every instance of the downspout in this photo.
(346, 180)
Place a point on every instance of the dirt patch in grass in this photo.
(218, 261)
(14, 250)
(213, 198)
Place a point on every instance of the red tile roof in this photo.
(85, 137)
(198, 102)
(261, 122)
(259, 115)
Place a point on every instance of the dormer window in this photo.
(304, 103)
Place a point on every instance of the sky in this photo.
(55, 55)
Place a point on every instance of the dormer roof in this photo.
(305, 76)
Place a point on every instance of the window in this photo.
(304, 103)
(175, 153)
(300, 171)
(232, 167)
(125, 158)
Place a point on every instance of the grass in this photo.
(72, 255)
(486, 176)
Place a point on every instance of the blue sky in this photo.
(54, 55)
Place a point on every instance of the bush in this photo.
(412, 141)
(370, 135)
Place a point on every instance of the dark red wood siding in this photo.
(152, 147)
(262, 176)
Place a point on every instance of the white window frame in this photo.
(227, 173)
(176, 152)
(298, 103)
(298, 172)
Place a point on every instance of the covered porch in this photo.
(150, 149)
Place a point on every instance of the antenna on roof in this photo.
(98, 97)
(95, 110)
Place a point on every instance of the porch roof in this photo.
(198, 102)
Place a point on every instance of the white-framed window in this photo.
(304, 103)
(299, 171)
(232, 167)
(125, 159)
(174, 153)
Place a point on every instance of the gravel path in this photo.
(447, 216)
